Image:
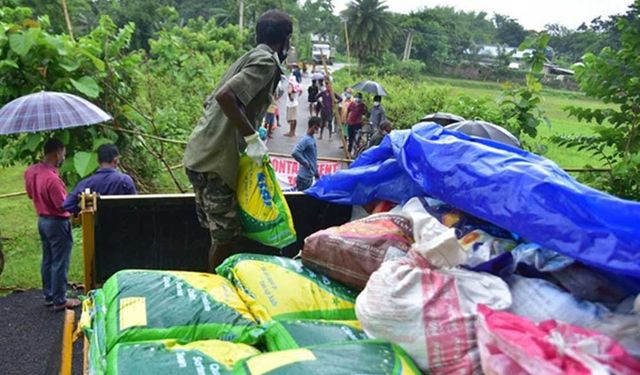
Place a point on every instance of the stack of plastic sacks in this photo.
(139, 307)
(160, 322)
(586, 273)
(309, 320)
(427, 304)
(430, 298)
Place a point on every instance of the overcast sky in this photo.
(532, 14)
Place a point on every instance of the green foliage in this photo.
(518, 109)
(613, 77)
(411, 99)
(85, 162)
(508, 31)
(441, 34)
(370, 29)
(199, 37)
(520, 105)
(391, 65)
(38, 60)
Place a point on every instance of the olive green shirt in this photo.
(215, 143)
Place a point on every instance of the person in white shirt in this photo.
(293, 91)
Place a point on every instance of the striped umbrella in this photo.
(48, 111)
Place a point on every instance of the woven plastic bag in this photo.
(171, 357)
(292, 334)
(93, 324)
(514, 345)
(350, 253)
(430, 313)
(264, 212)
(143, 305)
(282, 288)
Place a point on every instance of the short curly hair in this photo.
(273, 27)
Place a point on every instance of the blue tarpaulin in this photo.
(514, 189)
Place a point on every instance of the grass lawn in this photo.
(22, 245)
(553, 103)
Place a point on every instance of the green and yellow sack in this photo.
(282, 288)
(264, 212)
(93, 324)
(292, 334)
(145, 305)
(371, 357)
(211, 357)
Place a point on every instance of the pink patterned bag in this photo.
(514, 345)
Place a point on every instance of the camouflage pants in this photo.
(216, 206)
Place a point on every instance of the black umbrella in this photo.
(486, 130)
(371, 87)
(443, 118)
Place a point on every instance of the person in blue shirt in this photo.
(306, 153)
(105, 181)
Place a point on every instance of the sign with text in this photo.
(287, 168)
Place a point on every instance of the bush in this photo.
(410, 99)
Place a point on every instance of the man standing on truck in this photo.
(47, 191)
(228, 126)
(106, 181)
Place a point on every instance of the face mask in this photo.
(376, 104)
(358, 100)
(61, 157)
(347, 95)
(282, 55)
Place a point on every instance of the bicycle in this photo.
(363, 137)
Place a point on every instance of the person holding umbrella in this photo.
(377, 114)
(47, 111)
(355, 113)
(48, 192)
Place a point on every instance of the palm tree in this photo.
(370, 28)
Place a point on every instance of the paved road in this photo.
(328, 148)
(30, 336)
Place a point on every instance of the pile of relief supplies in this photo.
(257, 315)
(486, 259)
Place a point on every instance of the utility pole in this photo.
(346, 37)
(67, 19)
(407, 46)
(241, 20)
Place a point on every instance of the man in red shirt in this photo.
(355, 113)
(47, 191)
